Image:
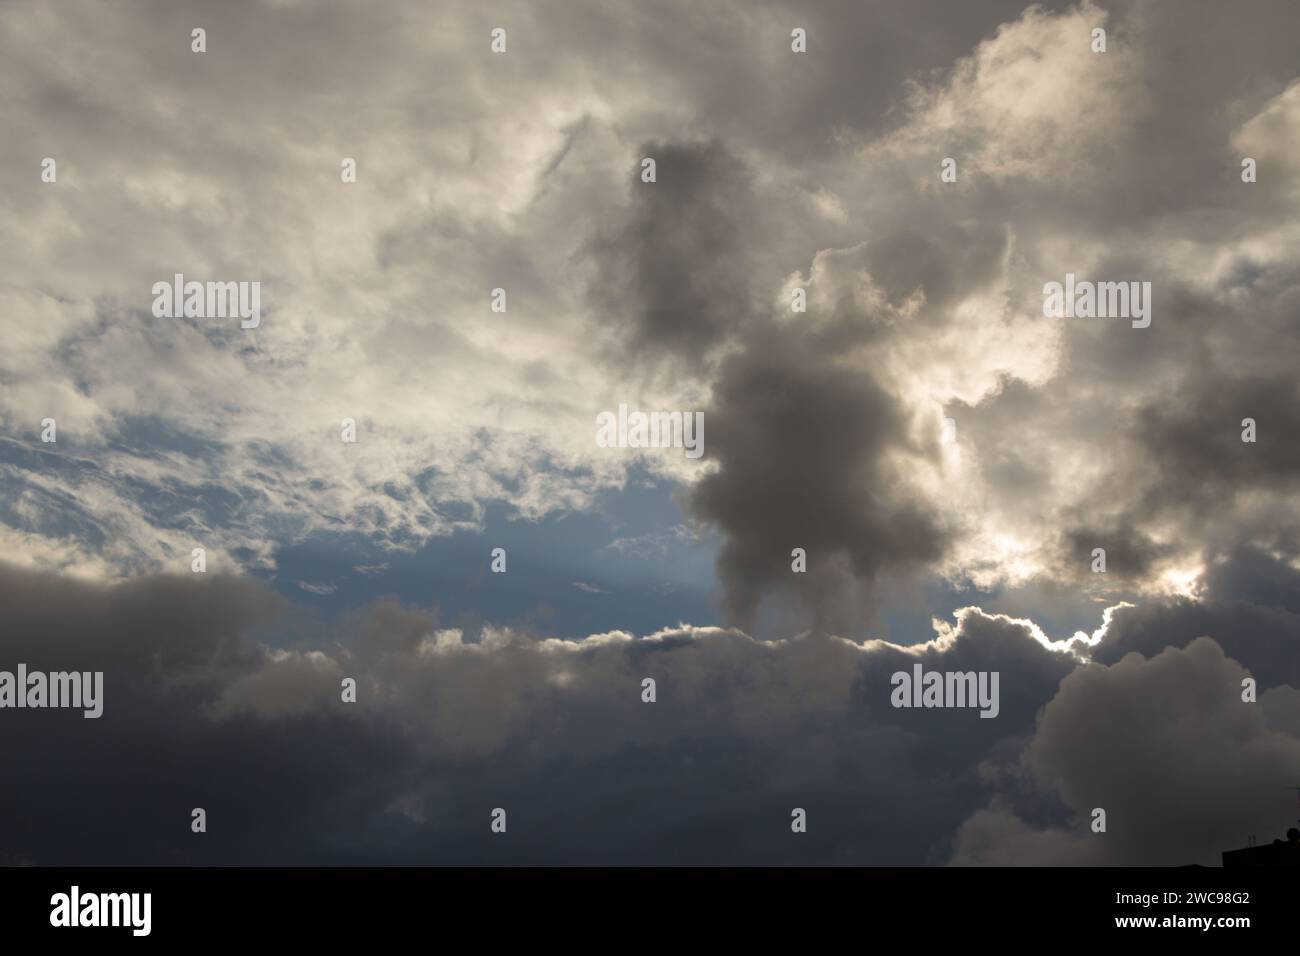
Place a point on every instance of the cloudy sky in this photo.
(775, 171)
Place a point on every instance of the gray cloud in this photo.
(682, 258)
(1155, 732)
(219, 695)
(1183, 768)
(775, 171)
(800, 446)
(199, 711)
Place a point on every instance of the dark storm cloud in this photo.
(799, 444)
(1254, 576)
(1129, 553)
(1196, 437)
(679, 269)
(1263, 639)
(198, 713)
(1182, 766)
(120, 788)
(1156, 733)
(769, 164)
(801, 438)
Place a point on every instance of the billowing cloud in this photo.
(937, 446)
(215, 697)
(199, 710)
(1182, 768)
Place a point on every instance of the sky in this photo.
(916, 468)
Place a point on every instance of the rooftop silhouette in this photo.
(1278, 853)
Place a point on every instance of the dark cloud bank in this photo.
(200, 713)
